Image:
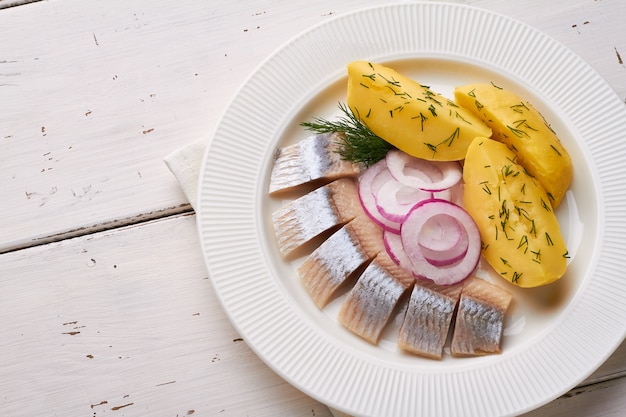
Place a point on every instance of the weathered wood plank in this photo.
(94, 96)
(127, 319)
(5, 4)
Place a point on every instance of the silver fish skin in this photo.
(427, 321)
(480, 319)
(314, 158)
(316, 212)
(370, 303)
(338, 257)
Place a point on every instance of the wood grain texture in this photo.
(5, 4)
(98, 95)
(90, 328)
(105, 305)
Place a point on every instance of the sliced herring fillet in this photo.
(369, 305)
(305, 218)
(338, 257)
(428, 317)
(480, 319)
(313, 158)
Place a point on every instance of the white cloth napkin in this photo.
(185, 164)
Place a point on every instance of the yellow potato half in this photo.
(522, 128)
(520, 233)
(409, 115)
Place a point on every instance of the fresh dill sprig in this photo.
(359, 144)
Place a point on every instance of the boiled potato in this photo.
(410, 116)
(522, 128)
(520, 233)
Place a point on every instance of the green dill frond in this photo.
(358, 144)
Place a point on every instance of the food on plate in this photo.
(372, 263)
(302, 220)
(410, 116)
(410, 198)
(448, 265)
(522, 128)
(371, 302)
(358, 143)
(520, 232)
(339, 258)
(400, 198)
(428, 318)
(315, 158)
(391, 187)
(479, 320)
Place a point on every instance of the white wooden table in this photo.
(105, 304)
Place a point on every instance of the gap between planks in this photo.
(5, 4)
(184, 209)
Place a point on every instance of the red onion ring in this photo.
(443, 240)
(393, 245)
(426, 175)
(451, 272)
(368, 199)
(440, 233)
(394, 200)
(437, 256)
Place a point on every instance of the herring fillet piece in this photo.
(480, 319)
(316, 212)
(428, 317)
(338, 257)
(313, 158)
(369, 305)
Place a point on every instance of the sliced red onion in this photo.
(443, 240)
(393, 199)
(448, 273)
(438, 254)
(440, 233)
(368, 198)
(393, 245)
(425, 232)
(430, 176)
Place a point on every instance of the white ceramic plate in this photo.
(555, 336)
